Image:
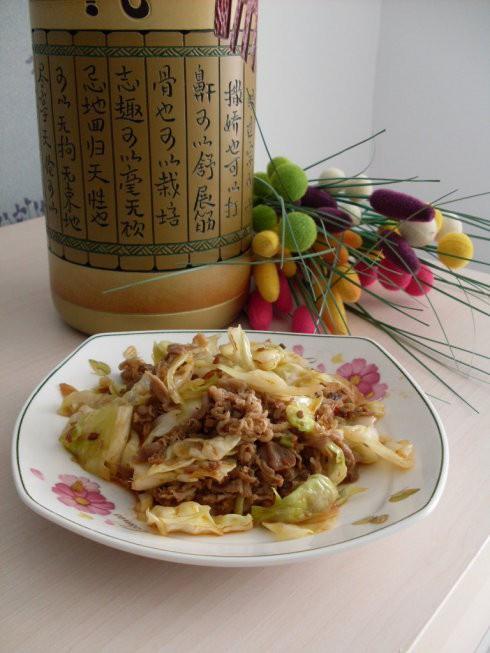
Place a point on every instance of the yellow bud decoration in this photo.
(375, 254)
(346, 284)
(338, 256)
(389, 227)
(450, 225)
(265, 243)
(351, 239)
(319, 286)
(289, 268)
(453, 250)
(439, 218)
(333, 313)
(267, 281)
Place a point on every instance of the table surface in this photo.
(426, 588)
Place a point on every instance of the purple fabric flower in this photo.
(315, 197)
(398, 251)
(334, 219)
(400, 206)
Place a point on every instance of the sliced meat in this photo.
(278, 458)
(132, 369)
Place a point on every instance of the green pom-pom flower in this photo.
(290, 181)
(300, 231)
(262, 191)
(275, 163)
(264, 217)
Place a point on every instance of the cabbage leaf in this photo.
(202, 449)
(313, 497)
(187, 471)
(268, 382)
(140, 392)
(195, 519)
(98, 438)
(312, 526)
(72, 403)
(365, 440)
(163, 424)
(173, 381)
(336, 467)
(241, 345)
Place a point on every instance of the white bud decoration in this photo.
(333, 177)
(353, 210)
(418, 234)
(449, 226)
(358, 187)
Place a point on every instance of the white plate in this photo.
(43, 469)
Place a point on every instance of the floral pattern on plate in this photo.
(365, 376)
(83, 494)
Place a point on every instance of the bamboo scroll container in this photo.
(146, 130)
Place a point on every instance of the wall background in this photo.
(432, 93)
(20, 172)
(330, 73)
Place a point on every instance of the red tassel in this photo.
(222, 15)
(222, 22)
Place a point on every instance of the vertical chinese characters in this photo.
(129, 113)
(48, 154)
(168, 182)
(248, 165)
(232, 121)
(94, 110)
(233, 96)
(66, 149)
(204, 160)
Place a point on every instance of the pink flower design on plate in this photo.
(299, 349)
(366, 376)
(83, 494)
(321, 367)
(37, 473)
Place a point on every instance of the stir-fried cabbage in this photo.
(318, 524)
(139, 393)
(187, 471)
(159, 351)
(284, 531)
(336, 468)
(300, 416)
(108, 384)
(365, 440)
(268, 382)
(195, 388)
(195, 519)
(98, 438)
(72, 403)
(199, 449)
(348, 491)
(313, 497)
(232, 523)
(163, 424)
(171, 401)
(130, 451)
(174, 379)
(144, 502)
(99, 367)
(295, 374)
(241, 346)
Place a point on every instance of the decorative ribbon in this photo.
(222, 23)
